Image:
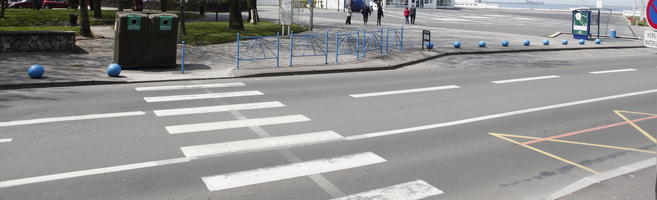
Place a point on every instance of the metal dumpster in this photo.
(132, 40)
(164, 36)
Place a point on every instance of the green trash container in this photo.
(132, 40)
(164, 37)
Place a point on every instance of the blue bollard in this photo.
(526, 43)
(546, 42)
(482, 44)
(598, 41)
(114, 70)
(429, 45)
(564, 42)
(457, 45)
(582, 41)
(35, 71)
(505, 43)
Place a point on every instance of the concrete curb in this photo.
(597, 178)
(303, 71)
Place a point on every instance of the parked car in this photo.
(21, 4)
(48, 4)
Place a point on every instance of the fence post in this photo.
(364, 43)
(291, 35)
(278, 49)
(337, 47)
(402, 40)
(357, 44)
(326, 49)
(388, 40)
(238, 51)
(381, 42)
(182, 66)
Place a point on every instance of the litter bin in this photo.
(72, 19)
(164, 37)
(132, 42)
(612, 33)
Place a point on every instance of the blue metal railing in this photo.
(346, 43)
(395, 39)
(372, 40)
(258, 48)
(309, 45)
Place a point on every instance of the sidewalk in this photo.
(87, 66)
(639, 185)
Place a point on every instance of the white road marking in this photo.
(184, 87)
(69, 118)
(487, 117)
(189, 128)
(525, 79)
(612, 71)
(5, 140)
(475, 17)
(524, 18)
(202, 96)
(260, 144)
(104, 170)
(413, 190)
(404, 91)
(294, 170)
(223, 108)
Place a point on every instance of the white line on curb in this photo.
(487, 117)
(413, 190)
(184, 87)
(525, 79)
(222, 108)
(202, 96)
(189, 128)
(612, 71)
(70, 118)
(5, 140)
(264, 175)
(404, 91)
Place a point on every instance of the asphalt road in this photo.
(434, 128)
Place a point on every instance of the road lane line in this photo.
(294, 170)
(612, 71)
(70, 118)
(104, 170)
(222, 108)
(637, 127)
(260, 144)
(493, 116)
(184, 87)
(525, 79)
(189, 128)
(404, 91)
(413, 190)
(202, 96)
(5, 140)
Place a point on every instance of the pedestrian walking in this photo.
(406, 14)
(379, 14)
(413, 13)
(366, 13)
(348, 22)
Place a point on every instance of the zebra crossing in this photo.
(491, 19)
(263, 143)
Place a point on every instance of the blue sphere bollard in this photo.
(482, 44)
(598, 41)
(35, 71)
(526, 43)
(546, 42)
(457, 45)
(505, 43)
(429, 45)
(582, 41)
(564, 42)
(114, 70)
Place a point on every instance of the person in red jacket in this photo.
(406, 14)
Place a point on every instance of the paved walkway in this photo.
(86, 66)
(632, 186)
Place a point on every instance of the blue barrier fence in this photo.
(372, 40)
(395, 39)
(347, 44)
(307, 45)
(259, 48)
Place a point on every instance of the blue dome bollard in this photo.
(598, 41)
(457, 45)
(429, 45)
(564, 42)
(482, 44)
(505, 43)
(114, 70)
(526, 43)
(582, 41)
(546, 42)
(35, 71)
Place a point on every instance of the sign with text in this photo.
(581, 24)
(285, 12)
(650, 39)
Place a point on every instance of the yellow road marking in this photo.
(545, 153)
(581, 143)
(618, 112)
(638, 113)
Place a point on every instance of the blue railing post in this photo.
(237, 60)
(364, 43)
(278, 49)
(337, 47)
(381, 42)
(291, 47)
(326, 49)
(182, 66)
(402, 40)
(357, 44)
(388, 40)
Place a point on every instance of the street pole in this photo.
(312, 5)
(634, 10)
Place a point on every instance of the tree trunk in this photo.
(183, 30)
(253, 12)
(35, 5)
(119, 5)
(163, 5)
(85, 29)
(3, 6)
(97, 12)
(235, 18)
(201, 8)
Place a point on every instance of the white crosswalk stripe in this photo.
(189, 128)
(5, 140)
(222, 108)
(243, 146)
(70, 118)
(294, 170)
(202, 96)
(184, 87)
(413, 190)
